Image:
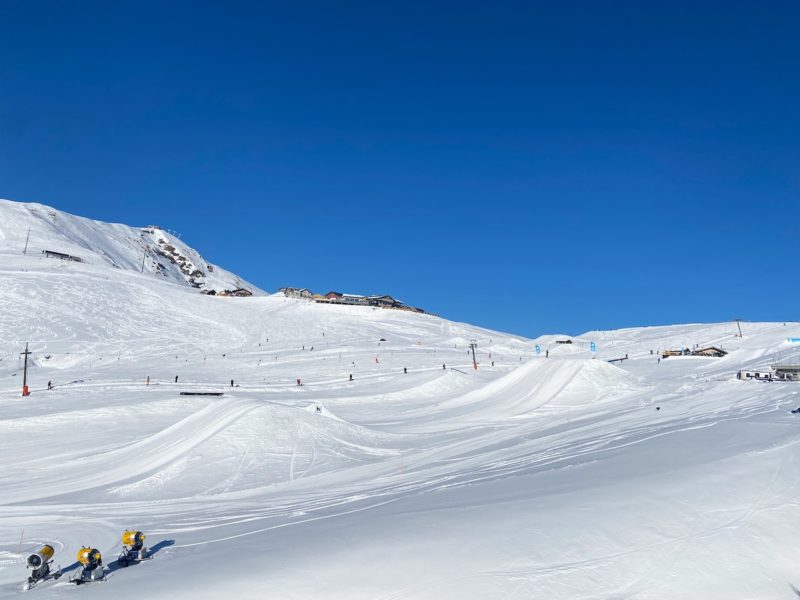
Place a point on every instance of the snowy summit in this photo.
(39, 230)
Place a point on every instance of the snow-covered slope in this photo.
(417, 477)
(36, 228)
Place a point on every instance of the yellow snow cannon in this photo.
(42, 556)
(89, 556)
(90, 560)
(133, 549)
(132, 538)
(39, 563)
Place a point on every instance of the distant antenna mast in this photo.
(27, 237)
(473, 345)
(25, 391)
(738, 324)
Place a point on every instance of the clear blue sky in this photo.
(527, 167)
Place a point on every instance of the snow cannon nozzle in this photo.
(40, 557)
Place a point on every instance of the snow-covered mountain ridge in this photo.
(41, 231)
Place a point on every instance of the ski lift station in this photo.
(757, 375)
(787, 372)
(775, 373)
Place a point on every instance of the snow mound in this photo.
(544, 382)
(229, 445)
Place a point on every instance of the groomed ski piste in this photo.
(533, 477)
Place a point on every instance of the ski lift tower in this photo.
(738, 324)
(25, 391)
(144, 256)
(473, 345)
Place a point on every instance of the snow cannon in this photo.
(41, 557)
(133, 549)
(90, 557)
(39, 563)
(133, 539)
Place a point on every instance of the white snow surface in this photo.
(533, 478)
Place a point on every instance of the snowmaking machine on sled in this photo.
(133, 549)
(39, 563)
(90, 560)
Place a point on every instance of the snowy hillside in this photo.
(36, 229)
(418, 477)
